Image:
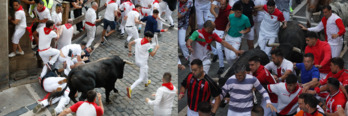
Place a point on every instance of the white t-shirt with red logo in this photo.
(127, 7)
(286, 65)
(287, 102)
(84, 108)
(271, 22)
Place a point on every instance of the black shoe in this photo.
(221, 70)
(126, 44)
(35, 48)
(171, 26)
(80, 30)
(138, 31)
(215, 57)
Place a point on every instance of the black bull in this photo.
(101, 73)
(291, 43)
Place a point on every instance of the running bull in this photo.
(101, 73)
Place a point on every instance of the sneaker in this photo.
(139, 31)
(129, 92)
(221, 70)
(37, 108)
(126, 44)
(171, 26)
(148, 83)
(20, 53)
(12, 54)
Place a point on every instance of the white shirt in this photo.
(286, 65)
(56, 18)
(75, 48)
(331, 28)
(45, 39)
(65, 37)
(284, 97)
(270, 25)
(110, 11)
(90, 16)
(131, 18)
(20, 15)
(142, 52)
(259, 16)
(145, 3)
(126, 7)
(164, 101)
(44, 14)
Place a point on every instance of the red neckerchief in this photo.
(297, 87)
(144, 41)
(68, 25)
(168, 85)
(154, 17)
(111, 1)
(43, 9)
(20, 8)
(47, 30)
(134, 9)
(155, 1)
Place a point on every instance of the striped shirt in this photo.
(199, 90)
(241, 96)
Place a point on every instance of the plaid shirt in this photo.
(184, 9)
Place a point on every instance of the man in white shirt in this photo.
(287, 95)
(202, 8)
(167, 13)
(21, 24)
(280, 66)
(164, 97)
(145, 10)
(46, 34)
(91, 20)
(109, 18)
(57, 15)
(132, 18)
(143, 49)
(66, 32)
(259, 17)
(67, 53)
(42, 13)
(125, 8)
(270, 25)
(334, 30)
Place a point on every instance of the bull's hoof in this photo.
(108, 101)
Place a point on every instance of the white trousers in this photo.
(143, 76)
(17, 35)
(90, 34)
(201, 16)
(123, 23)
(263, 39)
(233, 113)
(62, 101)
(336, 50)
(191, 112)
(235, 42)
(68, 62)
(250, 35)
(182, 42)
(256, 29)
(167, 11)
(219, 47)
(51, 83)
(268, 111)
(286, 15)
(45, 56)
(132, 33)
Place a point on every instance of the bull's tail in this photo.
(56, 94)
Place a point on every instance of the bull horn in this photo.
(296, 49)
(128, 62)
(273, 45)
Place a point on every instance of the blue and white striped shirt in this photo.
(241, 96)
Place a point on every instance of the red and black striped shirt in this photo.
(199, 90)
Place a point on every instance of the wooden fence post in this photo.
(66, 11)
